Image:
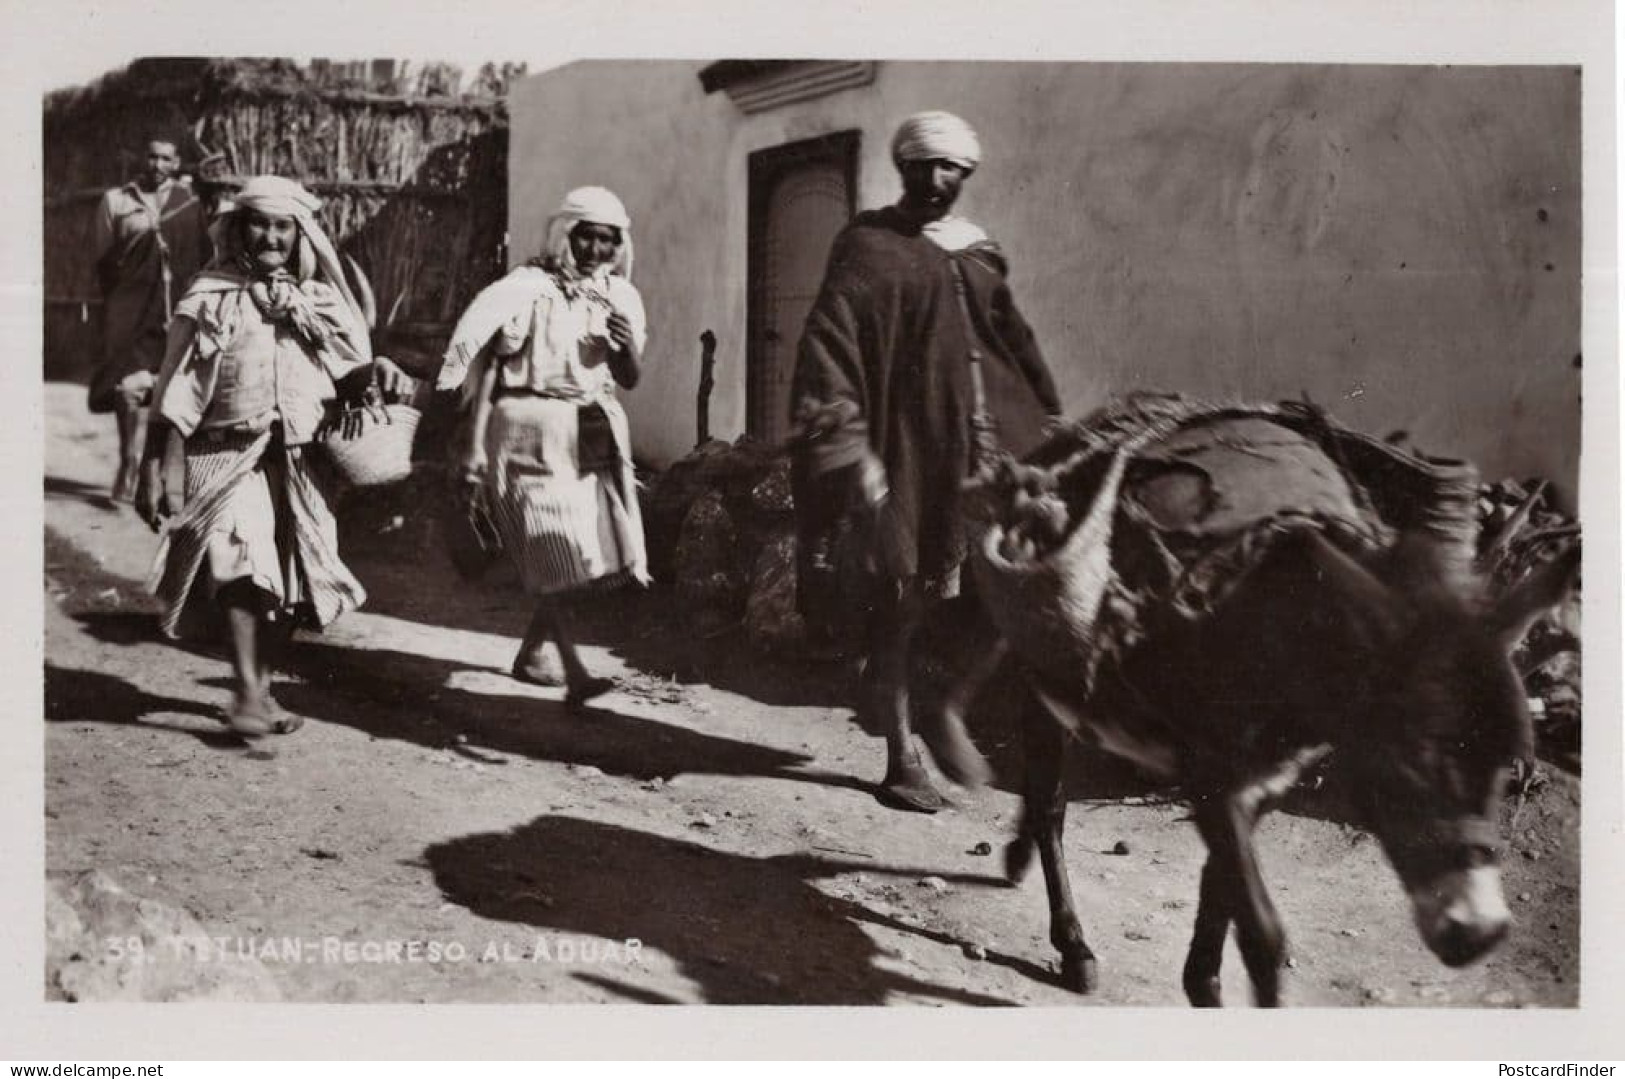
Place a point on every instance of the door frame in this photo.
(765, 169)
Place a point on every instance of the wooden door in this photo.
(801, 196)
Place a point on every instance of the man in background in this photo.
(150, 239)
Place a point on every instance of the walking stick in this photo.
(702, 403)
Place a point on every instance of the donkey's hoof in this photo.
(1204, 992)
(1078, 974)
(1018, 858)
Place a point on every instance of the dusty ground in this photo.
(715, 808)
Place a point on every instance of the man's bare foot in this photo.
(908, 787)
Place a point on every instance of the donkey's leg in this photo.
(1018, 853)
(1044, 819)
(1036, 731)
(1227, 826)
(1207, 943)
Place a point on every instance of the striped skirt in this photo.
(563, 528)
(253, 513)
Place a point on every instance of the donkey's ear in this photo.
(1373, 609)
(1542, 588)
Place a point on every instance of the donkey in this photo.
(1392, 663)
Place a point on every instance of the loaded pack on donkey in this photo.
(1226, 595)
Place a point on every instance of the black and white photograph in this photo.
(744, 519)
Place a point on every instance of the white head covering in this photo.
(597, 206)
(278, 196)
(933, 136)
(497, 302)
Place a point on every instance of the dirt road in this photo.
(438, 832)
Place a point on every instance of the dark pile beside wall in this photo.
(1522, 529)
(722, 533)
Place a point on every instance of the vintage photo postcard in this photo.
(896, 508)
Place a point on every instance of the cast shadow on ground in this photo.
(405, 696)
(92, 494)
(744, 930)
(652, 630)
(77, 696)
(655, 633)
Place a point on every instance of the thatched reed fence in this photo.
(414, 187)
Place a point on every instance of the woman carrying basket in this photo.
(539, 354)
(262, 344)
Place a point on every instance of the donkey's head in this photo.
(1444, 722)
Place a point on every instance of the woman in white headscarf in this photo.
(539, 355)
(262, 343)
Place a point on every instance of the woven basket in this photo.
(1047, 608)
(381, 453)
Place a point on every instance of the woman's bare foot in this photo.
(539, 667)
(282, 721)
(124, 484)
(250, 715)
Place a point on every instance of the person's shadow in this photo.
(99, 496)
(744, 930)
(667, 642)
(80, 696)
(406, 696)
(415, 698)
(653, 630)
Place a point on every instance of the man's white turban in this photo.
(936, 136)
